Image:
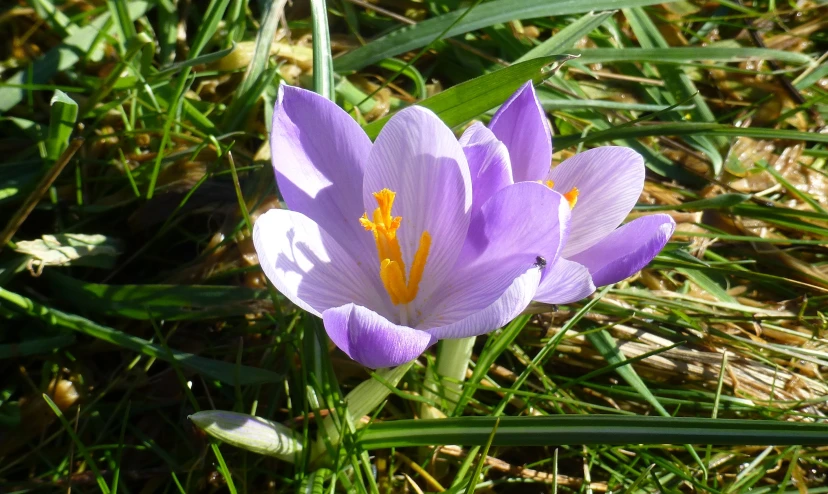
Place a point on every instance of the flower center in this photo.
(402, 290)
(571, 196)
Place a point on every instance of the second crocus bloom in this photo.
(601, 185)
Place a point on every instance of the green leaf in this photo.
(566, 37)
(469, 99)
(722, 201)
(323, 83)
(64, 115)
(683, 55)
(602, 430)
(487, 14)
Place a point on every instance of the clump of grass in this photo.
(131, 298)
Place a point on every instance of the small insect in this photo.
(540, 262)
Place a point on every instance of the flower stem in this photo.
(444, 382)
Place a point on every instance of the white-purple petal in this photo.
(627, 250)
(609, 181)
(318, 153)
(489, 164)
(518, 225)
(371, 339)
(521, 125)
(508, 306)
(418, 157)
(309, 267)
(564, 282)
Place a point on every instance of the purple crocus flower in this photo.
(602, 185)
(398, 243)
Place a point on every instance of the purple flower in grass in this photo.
(602, 185)
(405, 241)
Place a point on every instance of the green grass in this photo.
(144, 123)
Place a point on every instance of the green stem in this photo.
(444, 382)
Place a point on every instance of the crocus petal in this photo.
(564, 282)
(309, 267)
(373, 340)
(419, 158)
(488, 163)
(628, 249)
(519, 224)
(318, 153)
(522, 126)
(609, 181)
(508, 306)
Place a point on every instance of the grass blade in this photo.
(323, 82)
(467, 100)
(487, 14)
(590, 429)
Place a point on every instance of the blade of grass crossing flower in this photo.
(63, 116)
(487, 14)
(566, 37)
(78, 444)
(678, 83)
(323, 83)
(591, 429)
(469, 99)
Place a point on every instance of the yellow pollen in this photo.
(572, 197)
(392, 268)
